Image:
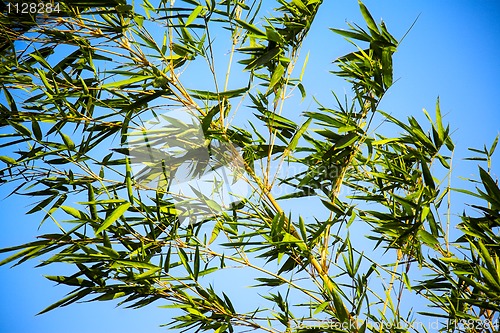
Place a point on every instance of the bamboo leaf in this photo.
(133, 264)
(251, 28)
(263, 59)
(427, 238)
(71, 298)
(37, 132)
(370, 22)
(10, 101)
(439, 122)
(215, 232)
(8, 160)
(33, 248)
(490, 186)
(493, 146)
(127, 82)
(340, 308)
(384, 141)
(119, 211)
(194, 15)
(352, 34)
(429, 181)
(406, 281)
(67, 141)
(213, 96)
(276, 77)
(321, 307)
(346, 140)
(70, 281)
(185, 262)
(295, 140)
(303, 70)
(75, 213)
(196, 266)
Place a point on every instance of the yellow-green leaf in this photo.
(296, 137)
(8, 160)
(194, 15)
(122, 83)
(113, 217)
(251, 28)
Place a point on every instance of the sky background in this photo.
(451, 52)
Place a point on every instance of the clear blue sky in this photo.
(452, 51)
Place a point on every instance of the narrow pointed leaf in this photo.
(370, 22)
(113, 217)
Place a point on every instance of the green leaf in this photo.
(321, 307)
(302, 228)
(346, 140)
(147, 273)
(35, 127)
(228, 303)
(276, 77)
(251, 28)
(133, 264)
(493, 146)
(119, 211)
(490, 186)
(8, 160)
(370, 22)
(208, 271)
(263, 59)
(213, 96)
(71, 298)
(302, 90)
(300, 5)
(303, 70)
(429, 181)
(26, 252)
(277, 122)
(289, 238)
(488, 260)
(196, 266)
(20, 128)
(10, 101)
(41, 60)
(75, 213)
(492, 281)
(128, 82)
(384, 141)
(45, 82)
(128, 180)
(352, 34)
(42, 204)
(194, 15)
(185, 262)
(427, 238)
(406, 281)
(456, 261)
(439, 122)
(70, 281)
(108, 251)
(296, 137)
(143, 100)
(215, 232)
(340, 308)
(67, 141)
(332, 207)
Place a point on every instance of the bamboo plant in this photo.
(100, 74)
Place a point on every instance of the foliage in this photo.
(88, 78)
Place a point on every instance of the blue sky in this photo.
(451, 52)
